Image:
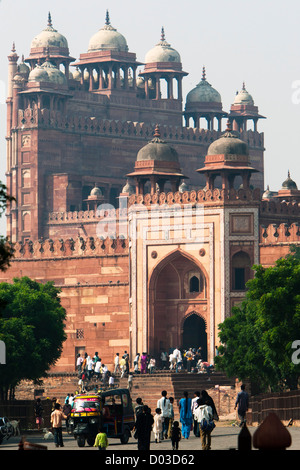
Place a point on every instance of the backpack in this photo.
(206, 425)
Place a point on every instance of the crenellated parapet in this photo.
(30, 118)
(70, 248)
(279, 208)
(201, 196)
(278, 234)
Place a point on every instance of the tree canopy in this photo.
(257, 340)
(32, 328)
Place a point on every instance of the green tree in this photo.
(32, 328)
(257, 339)
(6, 248)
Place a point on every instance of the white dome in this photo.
(162, 52)
(38, 74)
(243, 97)
(54, 74)
(108, 39)
(49, 37)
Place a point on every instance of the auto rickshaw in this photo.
(111, 410)
(86, 418)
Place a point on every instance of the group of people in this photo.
(189, 359)
(198, 414)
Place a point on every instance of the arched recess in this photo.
(241, 268)
(169, 299)
(194, 333)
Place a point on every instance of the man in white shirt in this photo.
(117, 363)
(165, 406)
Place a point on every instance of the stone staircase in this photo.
(149, 387)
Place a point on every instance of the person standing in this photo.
(117, 364)
(204, 414)
(143, 428)
(158, 425)
(242, 404)
(56, 420)
(143, 363)
(38, 411)
(194, 406)
(164, 404)
(186, 417)
(175, 435)
(79, 362)
(101, 440)
(136, 363)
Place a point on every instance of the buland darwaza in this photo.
(146, 211)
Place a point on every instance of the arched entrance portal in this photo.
(177, 288)
(194, 334)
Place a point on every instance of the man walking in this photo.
(242, 404)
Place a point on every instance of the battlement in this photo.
(30, 118)
(277, 234)
(70, 248)
(201, 196)
(279, 208)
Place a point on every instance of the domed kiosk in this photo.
(227, 157)
(158, 163)
(204, 101)
(243, 110)
(163, 62)
(108, 62)
(52, 45)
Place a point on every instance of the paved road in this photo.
(223, 438)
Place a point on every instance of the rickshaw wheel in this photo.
(90, 441)
(80, 441)
(125, 437)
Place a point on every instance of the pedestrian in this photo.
(194, 406)
(104, 371)
(163, 360)
(56, 420)
(158, 425)
(186, 417)
(151, 365)
(117, 364)
(143, 363)
(138, 407)
(126, 357)
(189, 358)
(206, 398)
(164, 404)
(97, 369)
(111, 381)
(130, 378)
(67, 412)
(101, 440)
(204, 416)
(242, 404)
(123, 366)
(143, 428)
(89, 367)
(175, 435)
(38, 411)
(136, 363)
(79, 362)
(171, 419)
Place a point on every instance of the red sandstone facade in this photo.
(73, 139)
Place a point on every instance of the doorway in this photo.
(194, 334)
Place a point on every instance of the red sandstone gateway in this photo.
(111, 410)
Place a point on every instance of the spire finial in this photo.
(13, 49)
(228, 128)
(203, 73)
(107, 20)
(289, 174)
(157, 131)
(244, 88)
(49, 19)
(162, 37)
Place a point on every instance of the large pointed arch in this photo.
(170, 299)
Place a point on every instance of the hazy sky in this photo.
(254, 41)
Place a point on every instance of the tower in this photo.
(204, 101)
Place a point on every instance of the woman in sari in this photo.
(186, 416)
(143, 362)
